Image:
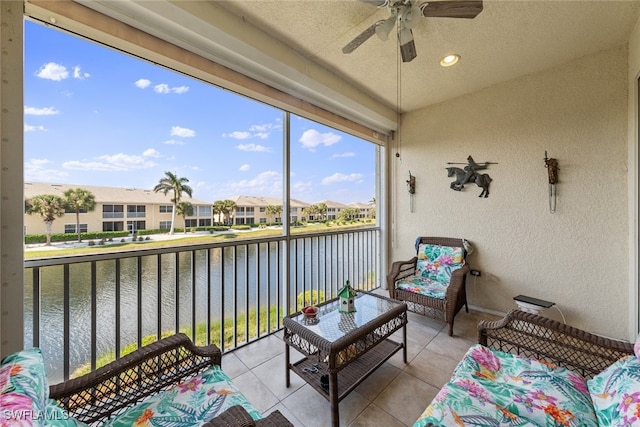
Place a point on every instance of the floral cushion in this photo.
(437, 262)
(190, 403)
(492, 388)
(423, 286)
(24, 389)
(616, 393)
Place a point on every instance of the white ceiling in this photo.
(295, 45)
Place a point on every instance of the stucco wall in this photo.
(577, 257)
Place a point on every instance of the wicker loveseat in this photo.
(434, 281)
(171, 381)
(528, 370)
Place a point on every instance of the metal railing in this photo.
(84, 311)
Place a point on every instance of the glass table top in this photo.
(332, 325)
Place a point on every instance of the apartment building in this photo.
(117, 209)
(131, 209)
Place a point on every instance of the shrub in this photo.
(91, 243)
(312, 297)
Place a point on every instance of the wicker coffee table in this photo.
(346, 348)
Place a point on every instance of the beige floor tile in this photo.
(431, 367)
(314, 411)
(233, 366)
(374, 416)
(260, 351)
(378, 381)
(255, 391)
(453, 347)
(272, 374)
(406, 398)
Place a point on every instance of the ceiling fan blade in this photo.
(452, 9)
(408, 51)
(376, 3)
(361, 38)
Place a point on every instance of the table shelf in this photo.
(351, 375)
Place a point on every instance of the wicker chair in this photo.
(440, 308)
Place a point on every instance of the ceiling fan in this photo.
(406, 13)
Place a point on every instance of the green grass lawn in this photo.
(186, 240)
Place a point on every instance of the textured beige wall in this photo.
(577, 257)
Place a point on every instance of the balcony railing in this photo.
(83, 311)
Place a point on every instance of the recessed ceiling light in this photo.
(450, 60)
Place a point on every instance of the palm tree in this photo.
(322, 209)
(273, 210)
(217, 208)
(79, 200)
(184, 209)
(171, 183)
(228, 206)
(49, 207)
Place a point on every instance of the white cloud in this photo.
(32, 128)
(45, 111)
(150, 152)
(261, 135)
(301, 187)
(36, 170)
(77, 74)
(252, 147)
(173, 142)
(182, 132)
(311, 138)
(53, 71)
(244, 168)
(341, 155)
(268, 183)
(115, 162)
(142, 83)
(237, 135)
(339, 177)
(164, 88)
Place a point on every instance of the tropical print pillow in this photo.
(616, 393)
(423, 286)
(190, 403)
(24, 389)
(437, 262)
(492, 388)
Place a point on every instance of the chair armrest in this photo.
(235, 416)
(124, 382)
(400, 270)
(457, 282)
(539, 337)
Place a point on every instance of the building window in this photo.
(204, 211)
(250, 220)
(71, 228)
(239, 221)
(204, 222)
(250, 211)
(262, 209)
(112, 211)
(72, 211)
(136, 211)
(191, 223)
(263, 220)
(240, 210)
(113, 226)
(133, 226)
(166, 208)
(165, 225)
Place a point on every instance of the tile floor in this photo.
(394, 395)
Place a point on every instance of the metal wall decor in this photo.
(470, 174)
(411, 183)
(552, 168)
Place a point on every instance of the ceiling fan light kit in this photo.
(450, 60)
(406, 14)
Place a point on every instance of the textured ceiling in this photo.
(506, 40)
(296, 46)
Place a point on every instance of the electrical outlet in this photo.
(475, 273)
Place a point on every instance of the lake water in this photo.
(250, 271)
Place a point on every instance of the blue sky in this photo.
(95, 116)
